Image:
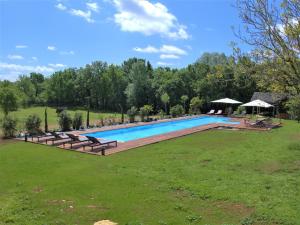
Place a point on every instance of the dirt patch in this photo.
(59, 202)
(271, 167)
(37, 189)
(105, 222)
(6, 141)
(236, 209)
(295, 165)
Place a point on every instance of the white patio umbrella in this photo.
(258, 103)
(227, 101)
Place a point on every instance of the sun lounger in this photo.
(76, 140)
(58, 137)
(100, 143)
(38, 137)
(219, 112)
(211, 112)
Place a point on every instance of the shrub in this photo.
(32, 124)
(77, 121)
(64, 121)
(195, 105)
(8, 125)
(145, 111)
(240, 109)
(177, 110)
(294, 108)
(8, 100)
(161, 114)
(132, 112)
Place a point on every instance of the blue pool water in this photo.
(132, 133)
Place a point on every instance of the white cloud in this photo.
(169, 56)
(164, 64)
(34, 58)
(171, 49)
(57, 65)
(15, 57)
(11, 72)
(21, 46)
(92, 6)
(148, 18)
(51, 48)
(84, 14)
(87, 15)
(166, 51)
(148, 49)
(67, 52)
(60, 6)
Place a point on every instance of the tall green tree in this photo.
(8, 100)
(165, 100)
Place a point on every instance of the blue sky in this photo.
(49, 35)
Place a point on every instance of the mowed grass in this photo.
(23, 113)
(212, 177)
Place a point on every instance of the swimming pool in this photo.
(143, 131)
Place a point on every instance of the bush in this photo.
(294, 108)
(77, 121)
(195, 105)
(177, 110)
(161, 114)
(32, 124)
(8, 125)
(64, 121)
(240, 110)
(132, 112)
(145, 111)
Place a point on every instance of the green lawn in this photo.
(213, 177)
(22, 114)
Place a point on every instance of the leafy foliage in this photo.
(8, 100)
(64, 121)
(32, 124)
(177, 110)
(195, 105)
(145, 111)
(9, 126)
(294, 107)
(77, 121)
(132, 112)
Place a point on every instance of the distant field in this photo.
(22, 114)
(214, 177)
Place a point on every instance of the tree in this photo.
(294, 108)
(9, 126)
(165, 100)
(77, 121)
(132, 112)
(8, 100)
(46, 120)
(184, 99)
(195, 105)
(145, 111)
(177, 110)
(32, 124)
(64, 121)
(213, 59)
(274, 32)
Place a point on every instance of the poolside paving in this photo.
(124, 146)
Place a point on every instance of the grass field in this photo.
(22, 114)
(213, 177)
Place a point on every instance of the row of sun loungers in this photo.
(212, 112)
(74, 141)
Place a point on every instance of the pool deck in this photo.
(123, 146)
